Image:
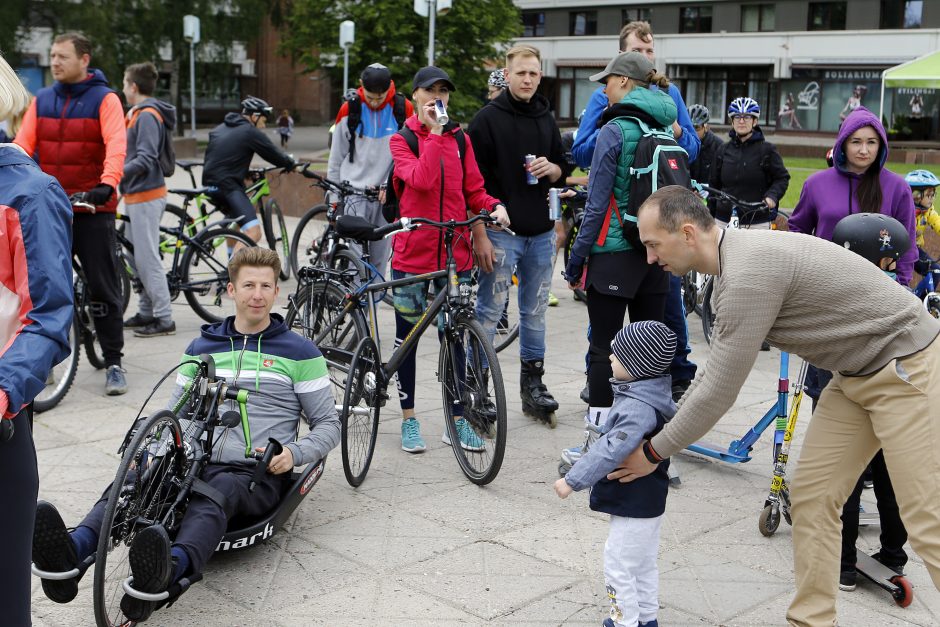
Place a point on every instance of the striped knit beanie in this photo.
(645, 348)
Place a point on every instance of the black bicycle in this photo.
(328, 308)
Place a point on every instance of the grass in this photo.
(801, 168)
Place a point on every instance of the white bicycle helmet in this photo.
(921, 178)
(744, 106)
(699, 114)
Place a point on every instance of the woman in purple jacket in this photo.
(858, 182)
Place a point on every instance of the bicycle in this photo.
(572, 213)
(926, 289)
(199, 265)
(258, 192)
(162, 459)
(328, 308)
(315, 241)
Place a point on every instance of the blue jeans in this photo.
(531, 257)
(682, 369)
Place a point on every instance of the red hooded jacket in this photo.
(422, 250)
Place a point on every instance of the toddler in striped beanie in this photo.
(642, 350)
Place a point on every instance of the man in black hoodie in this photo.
(515, 124)
(232, 145)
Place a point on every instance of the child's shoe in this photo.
(847, 579)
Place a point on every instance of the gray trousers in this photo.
(143, 232)
(380, 251)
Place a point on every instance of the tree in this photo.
(391, 33)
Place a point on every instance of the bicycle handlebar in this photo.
(408, 224)
(752, 205)
(344, 188)
(78, 200)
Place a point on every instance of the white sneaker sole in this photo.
(473, 449)
(417, 449)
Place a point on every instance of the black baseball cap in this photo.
(427, 76)
(376, 78)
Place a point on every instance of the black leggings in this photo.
(606, 315)
(18, 497)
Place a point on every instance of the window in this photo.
(826, 16)
(757, 17)
(533, 24)
(695, 20)
(901, 14)
(635, 15)
(582, 23)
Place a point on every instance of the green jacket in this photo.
(657, 110)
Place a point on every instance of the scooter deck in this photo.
(899, 587)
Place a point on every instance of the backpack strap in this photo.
(136, 114)
(353, 120)
(611, 207)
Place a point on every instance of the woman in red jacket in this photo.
(440, 184)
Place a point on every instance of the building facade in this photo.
(807, 63)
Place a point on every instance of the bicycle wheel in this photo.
(205, 272)
(472, 388)
(304, 244)
(61, 376)
(145, 487)
(708, 318)
(579, 294)
(275, 232)
(84, 319)
(313, 309)
(507, 329)
(362, 401)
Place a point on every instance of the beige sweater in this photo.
(807, 296)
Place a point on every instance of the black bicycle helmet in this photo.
(252, 105)
(873, 236)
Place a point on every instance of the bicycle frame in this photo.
(739, 451)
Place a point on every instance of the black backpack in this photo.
(390, 209)
(658, 161)
(354, 119)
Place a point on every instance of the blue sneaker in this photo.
(411, 441)
(469, 440)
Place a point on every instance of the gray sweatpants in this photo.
(380, 251)
(143, 232)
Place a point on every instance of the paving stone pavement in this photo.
(417, 544)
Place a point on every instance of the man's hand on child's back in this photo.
(634, 466)
(562, 489)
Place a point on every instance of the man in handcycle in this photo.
(287, 378)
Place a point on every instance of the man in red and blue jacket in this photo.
(75, 131)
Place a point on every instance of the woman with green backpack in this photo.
(618, 278)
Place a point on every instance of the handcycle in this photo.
(163, 458)
(198, 266)
(327, 308)
(258, 192)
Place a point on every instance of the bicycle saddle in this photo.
(192, 193)
(188, 164)
(356, 228)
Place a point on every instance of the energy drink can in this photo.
(441, 112)
(530, 178)
(554, 204)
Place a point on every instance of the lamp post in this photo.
(191, 35)
(431, 9)
(347, 35)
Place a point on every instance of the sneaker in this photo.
(552, 300)
(764, 346)
(54, 552)
(847, 580)
(138, 321)
(114, 382)
(469, 440)
(585, 395)
(411, 441)
(868, 484)
(571, 455)
(156, 328)
(651, 623)
(151, 566)
(894, 565)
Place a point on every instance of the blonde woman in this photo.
(35, 314)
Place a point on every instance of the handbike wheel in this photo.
(904, 595)
(205, 271)
(472, 387)
(61, 376)
(769, 521)
(362, 401)
(305, 244)
(145, 487)
(275, 231)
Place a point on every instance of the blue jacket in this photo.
(640, 410)
(583, 149)
(35, 277)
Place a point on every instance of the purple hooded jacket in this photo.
(829, 195)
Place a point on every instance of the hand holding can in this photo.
(530, 178)
(441, 112)
(554, 204)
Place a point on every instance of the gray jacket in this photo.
(145, 139)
